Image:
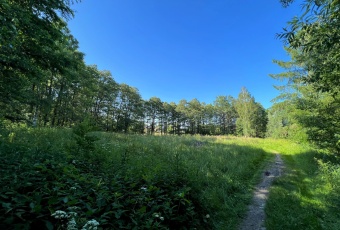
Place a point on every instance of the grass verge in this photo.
(307, 197)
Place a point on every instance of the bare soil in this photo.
(255, 217)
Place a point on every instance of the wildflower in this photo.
(143, 188)
(207, 216)
(72, 225)
(161, 218)
(156, 215)
(72, 214)
(91, 225)
(59, 214)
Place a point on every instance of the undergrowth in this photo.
(70, 179)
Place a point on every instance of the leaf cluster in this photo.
(312, 76)
(39, 179)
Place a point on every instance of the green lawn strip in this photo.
(305, 197)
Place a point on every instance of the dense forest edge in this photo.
(64, 147)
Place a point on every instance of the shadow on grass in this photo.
(303, 199)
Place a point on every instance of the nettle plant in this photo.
(43, 195)
(45, 185)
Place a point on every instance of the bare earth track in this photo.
(254, 219)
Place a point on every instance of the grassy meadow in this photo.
(307, 197)
(63, 178)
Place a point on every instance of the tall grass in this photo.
(307, 197)
(220, 173)
(131, 182)
(158, 182)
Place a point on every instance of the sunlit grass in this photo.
(206, 182)
(223, 169)
(213, 176)
(303, 198)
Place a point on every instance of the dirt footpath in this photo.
(254, 219)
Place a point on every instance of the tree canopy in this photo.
(312, 76)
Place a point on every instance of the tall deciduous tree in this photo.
(245, 107)
(283, 114)
(315, 38)
(129, 109)
(225, 114)
(259, 120)
(31, 33)
(195, 115)
(154, 111)
(183, 120)
(173, 117)
(317, 34)
(104, 98)
(251, 121)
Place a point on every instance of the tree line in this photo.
(45, 82)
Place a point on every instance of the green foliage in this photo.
(225, 114)
(153, 182)
(307, 196)
(44, 82)
(114, 184)
(154, 112)
(34, 41)
(283, 122)
(312, 76)
(84, 139)
(252, 117)
(320, 120)
(316, 33)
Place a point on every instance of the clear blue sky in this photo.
(185, 49)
